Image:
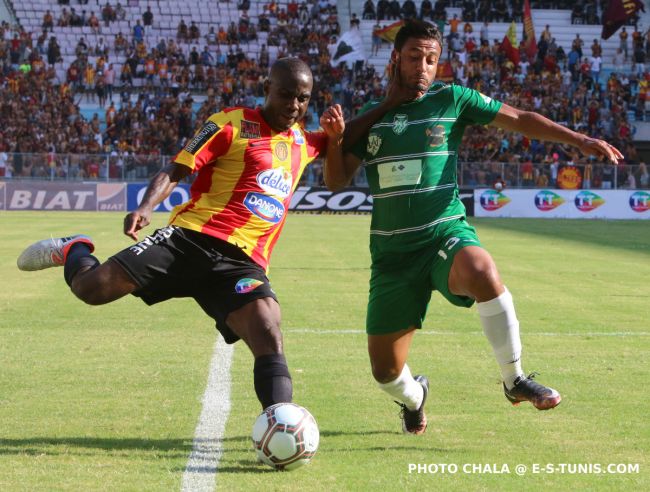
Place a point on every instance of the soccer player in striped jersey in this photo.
(217, 245)
(420, 240)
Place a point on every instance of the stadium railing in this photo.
(123, 167)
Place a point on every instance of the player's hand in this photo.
(333, 122)
(136, 220)
(594, 146)
(396, 92)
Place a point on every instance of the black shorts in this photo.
(177, 262)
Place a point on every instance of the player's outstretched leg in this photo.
(526, 389)
(475, 275)
(50, 253)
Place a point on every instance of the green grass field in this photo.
(107, 398)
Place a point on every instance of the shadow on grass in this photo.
(631, 235)
(168, 447)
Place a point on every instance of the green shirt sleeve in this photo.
(473, 107)
(359, 148)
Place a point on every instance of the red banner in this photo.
(530, 45)
(617, 14)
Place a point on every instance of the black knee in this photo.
(272, 380)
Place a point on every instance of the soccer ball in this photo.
(285, 436)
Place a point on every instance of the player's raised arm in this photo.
(339, 168)
(160, 186)
(536, 126)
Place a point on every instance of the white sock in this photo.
(405, 389)
(501, 328)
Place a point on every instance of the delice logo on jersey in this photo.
(640, 201)
(265, 207)
(493, 200)
(275, 181)
(546, 200)
(586, 201)
(246, 285)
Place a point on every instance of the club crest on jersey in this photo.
(436, 135)
(206, 132)
(250, 129)
(276, 181)
(486, 99)
(374, 143)
(298, 137)
(281, 151)
(400, 122)
(265, 207)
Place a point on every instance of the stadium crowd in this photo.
(150, 111)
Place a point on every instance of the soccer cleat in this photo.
(50, 252)
(525, 389)
(415, 421)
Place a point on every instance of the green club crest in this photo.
(374, 142)
(400, 122)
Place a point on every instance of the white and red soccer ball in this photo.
(285, 436)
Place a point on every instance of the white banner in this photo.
(349, 49)
(563, 204)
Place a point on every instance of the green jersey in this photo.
(410, 159)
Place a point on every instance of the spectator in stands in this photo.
(120, 13)
(394, 10)
(181, 31)
(109, 80)
(121, 44)
(138, 32)
(93, 23)
(383, 9)
(409, 10)
(622, 36)
(354, 22)
(53, 51)
(639, 60)
(48, 21)
(211, 36)
(147, 19)
(108, 14)
(578, 13)
(369, 10)
(64, 20)
(195, 32)
(376, 39)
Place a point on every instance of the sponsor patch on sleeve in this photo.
(207, 131)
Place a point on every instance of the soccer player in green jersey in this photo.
(420, 240)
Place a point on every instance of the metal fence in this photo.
(126, 167)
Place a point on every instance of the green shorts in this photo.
(401, 283)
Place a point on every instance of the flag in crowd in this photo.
(389, 32)
(509, 45)
(530, 44)
(617, 14)
(348, 48)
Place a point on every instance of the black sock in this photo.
(272, 380)
(78, 257)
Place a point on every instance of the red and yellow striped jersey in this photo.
(247, 174)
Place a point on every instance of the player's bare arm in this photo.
(160, 186)
(339, 169)
(536, 126)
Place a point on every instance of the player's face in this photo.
(287, 99)
(418, 62)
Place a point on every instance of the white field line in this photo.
(316, 331)
(201, 470)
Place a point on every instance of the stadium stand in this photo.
(130, 81)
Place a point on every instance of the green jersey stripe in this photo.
(409, 192)
(417, 228)
(403, 157)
